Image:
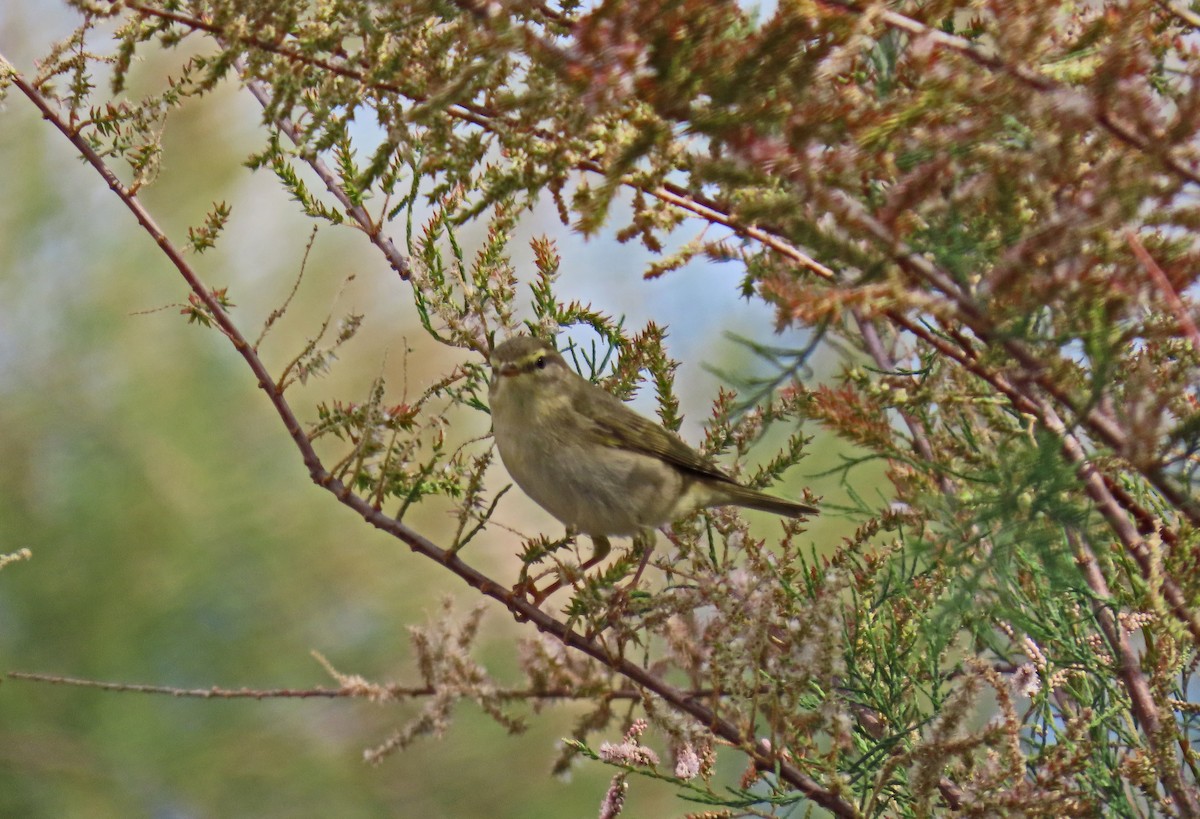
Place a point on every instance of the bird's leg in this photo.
(538, 551)
(619, 604)
(643, 546)
(600, 549)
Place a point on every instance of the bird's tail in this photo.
(753, 499)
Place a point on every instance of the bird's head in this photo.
(526, 365)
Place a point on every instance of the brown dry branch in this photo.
(1129, 668)
(1165, 287)
(393, 691)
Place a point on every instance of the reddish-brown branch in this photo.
(883, 360)
(762, 755)
(1164, 286)
(1141, 698)
(1146, 523)
(373, 229)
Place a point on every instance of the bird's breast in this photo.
(595, 489)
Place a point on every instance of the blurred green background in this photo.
(176, 537)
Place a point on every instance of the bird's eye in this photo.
(540, 363)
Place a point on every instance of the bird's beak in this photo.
(506, 369)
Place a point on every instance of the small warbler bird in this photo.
(594, 463)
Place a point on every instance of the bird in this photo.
(593, 463)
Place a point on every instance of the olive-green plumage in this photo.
(591, 461)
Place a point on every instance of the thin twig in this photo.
(487, 119)
(1033, 368)
(1141, 699)
(1165, 287)
(1028, 77)
(282, 309)
(373, 229)
(885, 362)
(397, 692)
(1094, 481)
(1186, 15)
(15, 557)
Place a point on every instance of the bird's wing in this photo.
(617, 425)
